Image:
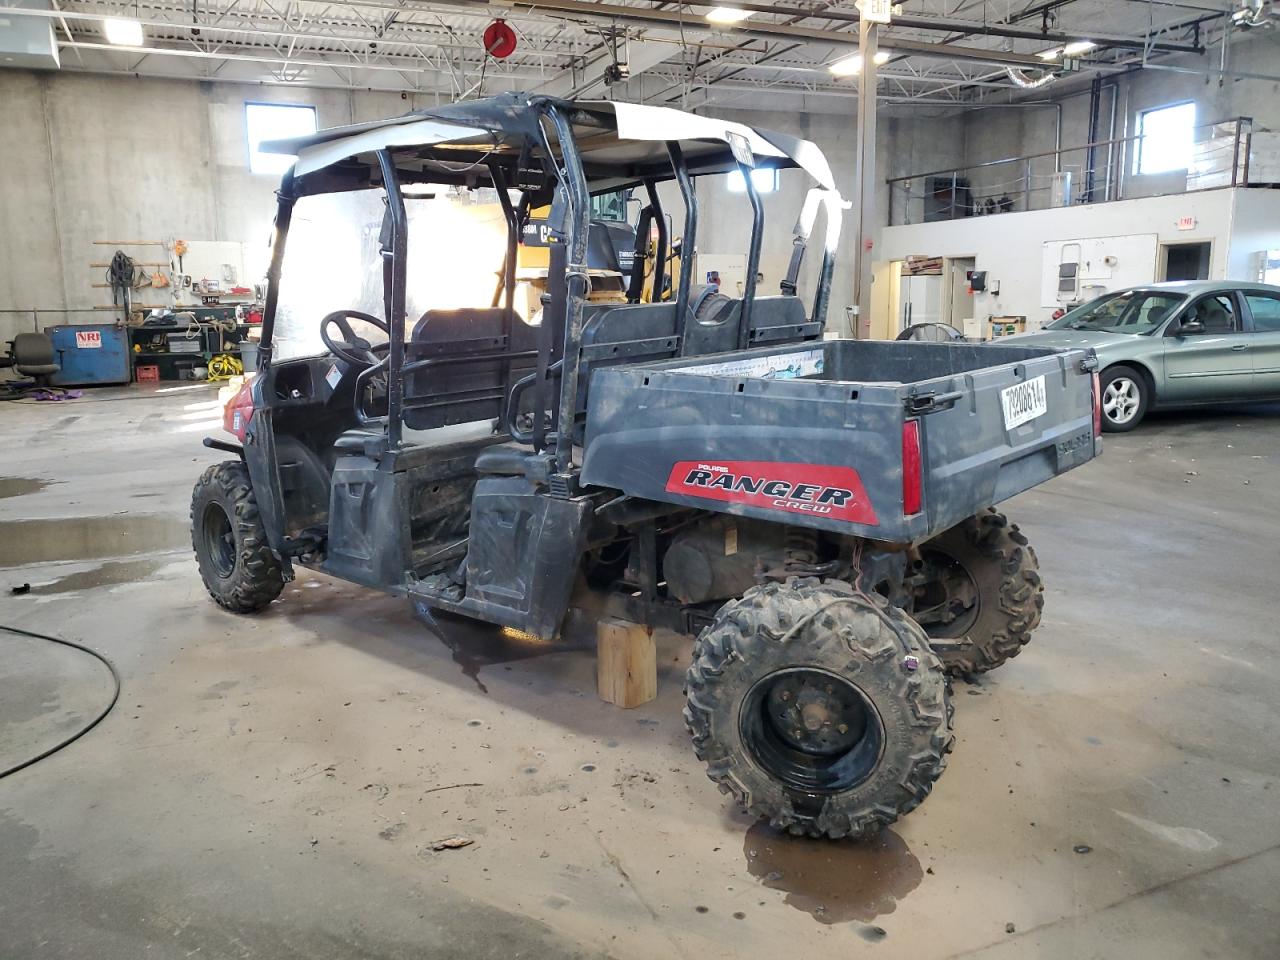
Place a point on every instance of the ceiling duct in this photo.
(1255, 13)
(1021, 79)
(28, 41)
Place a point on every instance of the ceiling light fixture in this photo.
(848, 66)
(727, 15)
(1053, 54)
(123, 33)
(1078, 48)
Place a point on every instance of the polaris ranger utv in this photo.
(817, 512)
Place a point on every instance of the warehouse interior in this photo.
(462, 462)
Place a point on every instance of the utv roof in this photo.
(621, 144)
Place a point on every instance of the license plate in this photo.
(1023, 402)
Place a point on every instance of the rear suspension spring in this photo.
(801, 550)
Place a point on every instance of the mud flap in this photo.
(368, 535)
(522, 558)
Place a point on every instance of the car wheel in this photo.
(1125, 397)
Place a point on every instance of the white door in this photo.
(904, 303)
(921, 301)
(960, 307)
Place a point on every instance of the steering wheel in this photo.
(357, 351)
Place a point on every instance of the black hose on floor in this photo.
(115, 678)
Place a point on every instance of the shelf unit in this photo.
(213, 341)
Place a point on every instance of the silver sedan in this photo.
(1175, 345)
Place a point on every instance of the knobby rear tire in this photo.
(861, 640)
(1010, 593)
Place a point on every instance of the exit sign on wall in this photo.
(877, 11)
(1186, 223)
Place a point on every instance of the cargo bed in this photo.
(823, 429)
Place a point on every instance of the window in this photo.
(275, 121)
(1271, 267)
(1266, 312)
(610, 206)
(1165, 138)
(1217, 313)
(766, 180)
(1134, 311)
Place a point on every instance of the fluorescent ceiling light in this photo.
(1078, 48)
(1053, 54)
(850, 65)
(727, 15)
(124, 33)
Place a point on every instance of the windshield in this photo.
(610, 206)
(457, 242)
(1133, 311)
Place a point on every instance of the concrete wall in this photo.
(725, 218)
(108, 158)
(1255, 228)
(1010, 248)
(1000, 130)
(91, 169)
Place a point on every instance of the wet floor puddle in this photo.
(108, 574)
(476, 645)
(834, 881)
(89, 538)
(21, 486)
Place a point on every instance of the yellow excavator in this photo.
(625, 260)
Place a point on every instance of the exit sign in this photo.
(877, 11)
(1186, 223)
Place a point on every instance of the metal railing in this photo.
(35, 312)
(1102, 171)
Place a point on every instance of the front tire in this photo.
(983, 596)
(236, 563)
(1125, 398)
(819, 709)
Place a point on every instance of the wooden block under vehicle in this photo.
(626, 663)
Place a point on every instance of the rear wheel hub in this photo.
(812, 729)
(947, 598)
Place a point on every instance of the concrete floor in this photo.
(271, 787)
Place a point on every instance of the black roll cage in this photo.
(559, 353)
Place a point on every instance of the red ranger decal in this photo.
(825, 491)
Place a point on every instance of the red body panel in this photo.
(238, 411)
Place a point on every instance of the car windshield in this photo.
(1132, 311)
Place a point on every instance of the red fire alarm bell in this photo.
(499, 40)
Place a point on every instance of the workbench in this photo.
(174, 347)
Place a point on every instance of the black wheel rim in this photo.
(813, 730)
(219, 540)
(948, 603)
